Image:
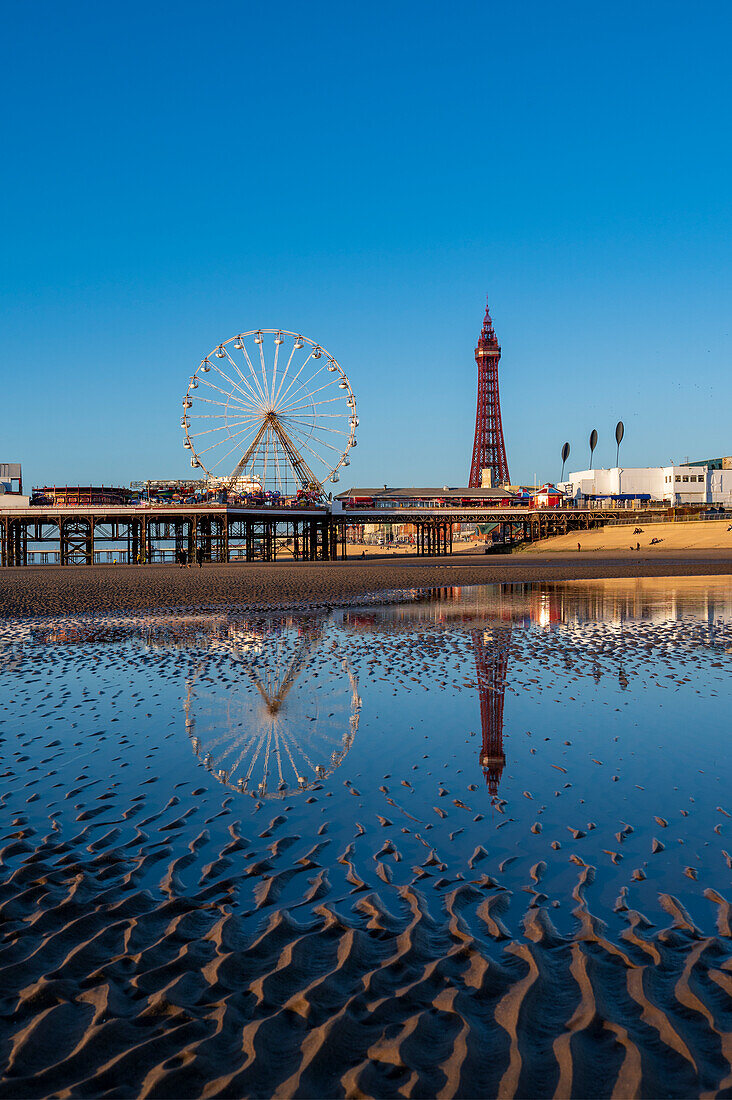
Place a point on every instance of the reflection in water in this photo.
(294, 732)
(491, 663)
(400, 929)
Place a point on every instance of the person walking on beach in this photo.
(199, 556)
(579, 547)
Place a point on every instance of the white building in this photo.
(242, 483)
(11, 487)
(674, 484)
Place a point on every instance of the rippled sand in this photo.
(412, 922)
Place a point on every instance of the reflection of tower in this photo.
(491, 662)
(489, 450)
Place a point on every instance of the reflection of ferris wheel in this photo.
(283, 729)
(272, 406)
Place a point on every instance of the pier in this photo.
(111, 534)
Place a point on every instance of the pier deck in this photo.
(219, 532)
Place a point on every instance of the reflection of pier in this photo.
(491, 662)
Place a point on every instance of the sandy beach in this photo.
(54, 590)
(692, 536)
(463, 902)
(402, 927)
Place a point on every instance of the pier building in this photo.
(689, 484)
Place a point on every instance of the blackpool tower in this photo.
(489, 450)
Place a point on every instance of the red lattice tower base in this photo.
(491, 662)
(489, 450)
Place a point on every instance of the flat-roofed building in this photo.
(677, 485)
(11, 477)
(75, 495)
(390, 497)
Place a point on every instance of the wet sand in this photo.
(55, 590)
(393, 931)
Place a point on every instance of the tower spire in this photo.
(489, 449)
(487, 333)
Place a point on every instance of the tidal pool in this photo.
(472, 841)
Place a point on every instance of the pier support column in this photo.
(192, 537)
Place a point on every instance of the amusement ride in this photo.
(272, 408)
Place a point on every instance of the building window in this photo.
(685, 478)
(678, 477)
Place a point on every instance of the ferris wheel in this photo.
(282, 727)
(272, 408)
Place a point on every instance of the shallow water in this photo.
(473, 841)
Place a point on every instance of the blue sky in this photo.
(366, 174)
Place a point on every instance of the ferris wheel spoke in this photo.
(315, 454)
(253, 373)
(284, 374)
(278, 755)
(314, 410)
(315, 427)
(216, 459)
(301, 751)
(254, 378)
(223, 458)
(209, 431)
(247, 429)
(251, 382)
(304, 383)
(312, 393)
(322, 443)
(289, 753)
(265, 382)
(248, 397)
(210, 401)
(323, 401)
(294, 380)
(204, 416)
(240, 758)
(229, 395)
(262, 737)
(305, 386)
(274, 369)
(249, 394)
(245, 420)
